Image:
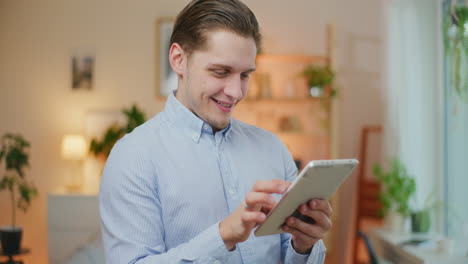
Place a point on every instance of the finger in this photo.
(249, 217)
(267, 208)
(320, 218)
(300, 237)
(322, 205)
(314, 231)
(271, 186)
(255, 200)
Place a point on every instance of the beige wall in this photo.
(360, 66)
(37, 39)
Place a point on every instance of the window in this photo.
(455, 36)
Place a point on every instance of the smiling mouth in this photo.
(223, 104)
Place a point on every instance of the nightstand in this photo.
(73, 223)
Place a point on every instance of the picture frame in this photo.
(82, 70)
(165, 77)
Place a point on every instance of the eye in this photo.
(220, 73)
(245, 76)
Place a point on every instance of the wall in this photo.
(37, 39)
(360, 48)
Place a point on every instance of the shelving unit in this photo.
(278, 100)
(281, 76)
(301, 123)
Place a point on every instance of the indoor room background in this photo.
(39, 38)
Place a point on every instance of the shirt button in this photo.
(231, 192)
(217, 262)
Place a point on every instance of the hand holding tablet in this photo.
(318, 180)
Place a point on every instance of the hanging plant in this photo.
(456, 47)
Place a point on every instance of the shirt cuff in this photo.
(317, 255)
(208, 246)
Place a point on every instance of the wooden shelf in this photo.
(303, 135)
(306, 146)
(306, 100)
(270, 58)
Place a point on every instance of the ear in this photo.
(177, 59)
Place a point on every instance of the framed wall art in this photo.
(82, 66)
(166, 79)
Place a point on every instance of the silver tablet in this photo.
(318, 180)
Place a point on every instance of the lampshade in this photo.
(73, 147)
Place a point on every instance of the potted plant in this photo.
(102, 148)
(318, 77)
(420, 221)
(421, 218)
(13, 151)
(398, 188)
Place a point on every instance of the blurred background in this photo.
(76, 71)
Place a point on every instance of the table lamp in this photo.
(74, 150)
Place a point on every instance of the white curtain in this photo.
(412, 125)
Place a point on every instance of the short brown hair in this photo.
(201, 16)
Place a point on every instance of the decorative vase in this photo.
(264, 86)
(315, 91)
(394, 222)
(420, 221)
(10, 239)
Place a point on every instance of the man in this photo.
(189, 185)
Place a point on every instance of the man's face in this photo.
(216, 78)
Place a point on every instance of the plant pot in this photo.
(420, 221)
(316, 91)
(10, 237)
(394, 222)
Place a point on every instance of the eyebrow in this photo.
(227, 67)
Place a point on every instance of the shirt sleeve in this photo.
(316, 256)
(132, 225)
(290, 256)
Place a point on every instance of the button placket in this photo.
(232, 192)
(228, 180)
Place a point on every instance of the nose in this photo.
(235, 88)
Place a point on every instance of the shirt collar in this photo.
(187, 121)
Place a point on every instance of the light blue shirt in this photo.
(168, 184)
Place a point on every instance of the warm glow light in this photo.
(74, 147)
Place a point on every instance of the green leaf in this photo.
(135, 117)
(456, 48)
(318, 75)
(3, 183)
(27, 193)
(14, 151)
(398, 187)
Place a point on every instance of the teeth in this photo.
(222, 104)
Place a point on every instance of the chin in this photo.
(220, 125)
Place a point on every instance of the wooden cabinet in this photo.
(74, 229)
